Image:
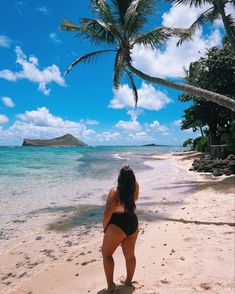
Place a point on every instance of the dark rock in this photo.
(231, 157)
(66, 140)
(196, 162)
(208, 167)
(217, 172)
(228, 172)
(231, 163)
(196, 166)
(216, 166)
(218, 151)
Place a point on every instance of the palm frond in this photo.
(120, 8)
(186, 35)
(119, 68)
(67, 25)
(98, 31)
(155, 38)
(134, 89)
(137, 15)
(103, 10)
(231, 22)
(119, 72)
(196, 3)
(208, 15)
(183, 34)
(87, 58)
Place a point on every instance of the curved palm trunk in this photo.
(202, 93)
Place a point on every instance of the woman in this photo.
(121, 225)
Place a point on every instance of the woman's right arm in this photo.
(109, 208)
(136, 194)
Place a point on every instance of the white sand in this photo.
(186, 245)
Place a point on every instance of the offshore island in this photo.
(66, 140)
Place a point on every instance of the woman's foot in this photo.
(111, 288)
(126, 283)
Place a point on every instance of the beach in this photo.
(185, 244)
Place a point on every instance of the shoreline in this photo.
(184, 246)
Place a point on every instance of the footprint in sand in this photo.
(87, 262)
(205, 286)
(135, 284)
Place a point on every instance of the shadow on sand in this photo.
(184, 221)
(226, 185)
(90, 215)
(122, 289)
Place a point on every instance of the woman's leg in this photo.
(112, 239)
(128, 248)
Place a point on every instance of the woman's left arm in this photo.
(109, 207)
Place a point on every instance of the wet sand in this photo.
(185, 245)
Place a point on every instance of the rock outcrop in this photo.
(217, 167)
(66, 140)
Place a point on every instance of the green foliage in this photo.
(188, 142)
(200, 144)
(229, 138)
(214, 72)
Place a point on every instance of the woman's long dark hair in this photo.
(126, 188)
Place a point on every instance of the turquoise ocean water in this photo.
(36, 179)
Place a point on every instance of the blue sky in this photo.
(37, 101)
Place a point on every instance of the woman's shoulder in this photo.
(113, 192)
(137, 186)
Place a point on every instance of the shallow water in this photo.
(36, 183)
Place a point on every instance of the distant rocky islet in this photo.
(66, 140)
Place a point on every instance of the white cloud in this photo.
(182, 16)
(89, 121)
(177, 122)
(132, 130)
(43, 9)
(108, 136)
(129, 126)
(140, 137)
(132, 125)
(5, 41)
(54, 37)
(149, 98)
(41, 123)
(8, 75)
(229, 9)
(134, 113)
(8, 102)
(171, 61)
(157, 127)
(190, 131)
(31, 72)
(3, 119)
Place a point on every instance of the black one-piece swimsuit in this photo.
(127, 221)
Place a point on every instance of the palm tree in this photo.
(120, 25)
(211, 14)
